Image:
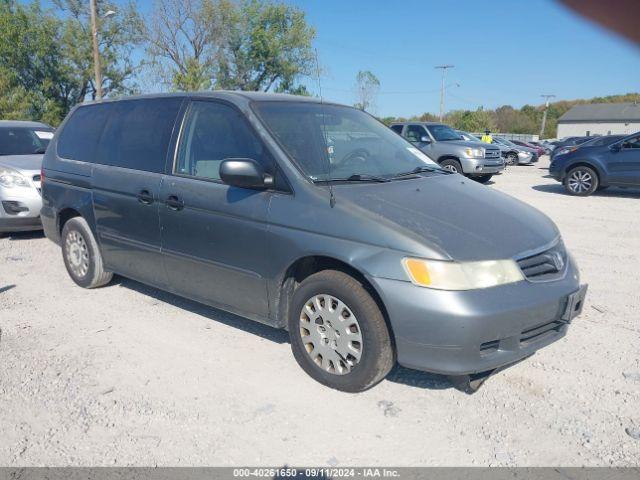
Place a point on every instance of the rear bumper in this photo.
(459, 333)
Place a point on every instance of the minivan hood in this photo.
(22, 162)
(453, 214)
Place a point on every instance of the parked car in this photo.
(504, 151)
(22, 145)
(312, 217)
(545, 146)
(515, 154)
(600, 163)
(567, 144)
(539, 150)
(444, 145)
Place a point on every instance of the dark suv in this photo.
(313, 217)
(599, 163)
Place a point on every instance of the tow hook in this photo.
(470, 384)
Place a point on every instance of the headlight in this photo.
(12, 178)
(461, 276)
(474, 152)
(523, 154)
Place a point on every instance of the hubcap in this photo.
(330, 334)
(77, 254)
(450, 168)
(580, 181)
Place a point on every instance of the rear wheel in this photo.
(82, 256)
(451, 165)
(581, 181)
(338, 333)
(483, 178)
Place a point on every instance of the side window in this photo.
(137, 134)
(631, 143)
(415, 133)
(397, 129)
(82, 131)
(213, 132)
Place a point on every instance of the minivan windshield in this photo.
(24, 141)
(333, 143)
(443, 133)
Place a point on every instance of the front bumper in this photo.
(20, 209)
(481, 166)
(465, 332)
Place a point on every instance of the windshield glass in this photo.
(443, 133)
(469, 137)
(24, 141)
(341, 140)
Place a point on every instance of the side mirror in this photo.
(425, 139)
(244, 173)
(615, 147)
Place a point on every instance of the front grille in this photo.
(545, 266)
(540, 332)
(492, 153)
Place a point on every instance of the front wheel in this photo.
(338, 333)
(581, 181)
(451, 165)
(511, 159)
(82, 256)
(483, 178)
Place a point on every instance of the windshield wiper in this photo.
(361, 177)
(421, 169)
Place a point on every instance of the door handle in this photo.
(174, 203)
(145, 197)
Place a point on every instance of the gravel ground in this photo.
(129, 375)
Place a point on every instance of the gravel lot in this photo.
(129, 375)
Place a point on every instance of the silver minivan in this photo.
(312, 217)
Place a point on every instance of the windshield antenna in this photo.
(332, 198)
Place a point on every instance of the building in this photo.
(600, 119)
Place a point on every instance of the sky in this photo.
(504, 52)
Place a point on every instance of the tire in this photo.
(483, 178)
(348, 365)
(581, 181)
(451, 165)
(82, 256)
(511, 159)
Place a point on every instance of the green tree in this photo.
(367, 87)
(263, 46)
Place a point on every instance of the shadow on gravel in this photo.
(415, 378)
(609, 192)
(6, 288)
(25, 235)
(235, 321)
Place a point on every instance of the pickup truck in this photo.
(476, 160)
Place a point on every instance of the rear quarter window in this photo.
(81, 133)
(130, 133)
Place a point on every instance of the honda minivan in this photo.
(312, 217)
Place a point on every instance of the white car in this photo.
(22, 145)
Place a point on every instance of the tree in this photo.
(180, 40)
(46, 65)
(264, 45)
(367, 87)
(253, 45)
(118, 36)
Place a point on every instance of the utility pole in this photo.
(444, 70)
(96, 52)
(544, 115)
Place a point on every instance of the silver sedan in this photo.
(22, 145)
